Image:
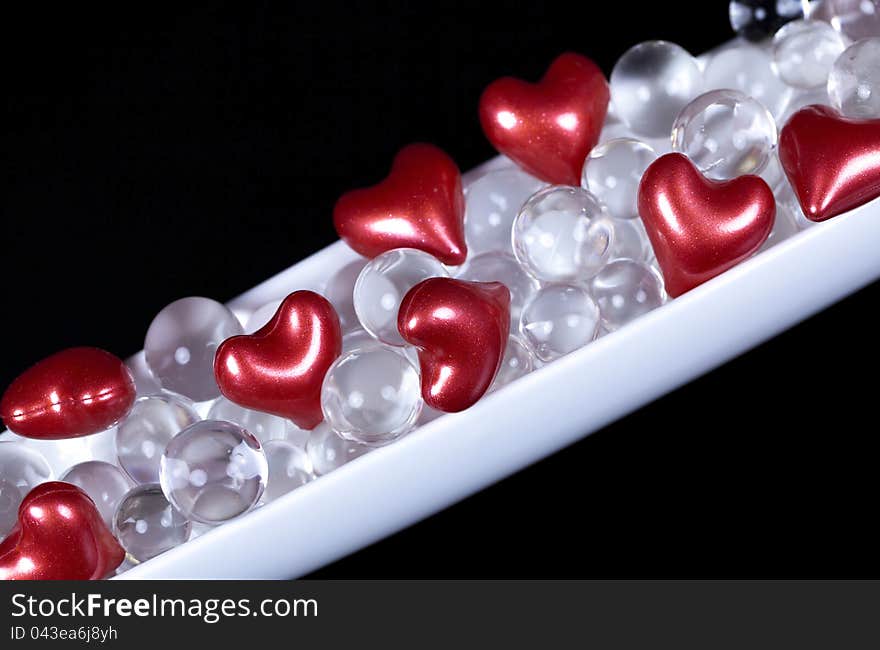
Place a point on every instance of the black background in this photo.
(153, 156)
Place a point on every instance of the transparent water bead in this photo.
(630, 241)
(804, 51)
(264, 426)
(147, 525)
(262, 316)
(562, 234)
(289, 468)
(181, 343)
(340, 292)
(213, 471)
(327, 451)
(855, 19)
(21, 470)
(854, 81)
(726, 134)
(372, 395)
(558, 320)
(612, 173)
(651, 83)
(503, 268)
(755, 20)
(624, 290)
(493, 201)
(517, 362)
(749, 69)
(382, 284)
(784, 227)
(106, 484)
(140, 440)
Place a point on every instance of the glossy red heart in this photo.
(832, 162)
(701, 227)
(60, 535)
(419, 205)
(75, 392)
(279, 368)
(548, 128)
(460, 329)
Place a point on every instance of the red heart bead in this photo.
(60, 535)
(75, 392)
(548, 128)
(831, 161)
(700, 227)
(461, 331)
(279, 368)
(419, 205)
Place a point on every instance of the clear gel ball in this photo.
(106, 484)
(289, 468)
(783, 227)
(854, 81)
(749, 69)
(262, 316)
(562, 234)
(517, 362)
(630, 241)
(340, 292)
(10, 499)
(147, 525)
(213, 471)
(383, 283)
(181, 343)
(141, 439)
(855, 19)
(624, 290)
(327, 451)
(612, 173)
(21, 470)
(558, 320)
(503, 268)
(493, 201)
(651, 83)
(264, 426)
(372, 395)
(804, 51)
(725, 133)
(755, 20)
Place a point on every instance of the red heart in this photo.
(75, 392)
(419, 205)
(279, 368)
(832, 162)
(700, 227)
(60, 535)
(548, 128)
(461, 331)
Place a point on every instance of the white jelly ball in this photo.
(372, 395)
(503, 268)
(855, 19)
(559, 319)
(213, 471)
(562, 234)
(21, 470)
(262, 316)
(651, 83)
(725, 133)
(624, 290)
(854, 81)
(493, 201)
(804, 51)
(749, 69)
(289, 468)
(264, 426)
(181, 343)
(147, 525)
(517, 362)
(141, 438)
(630, 241)
(612, 173)
(327, 451)
(382, 284)
(340, 292)
(106, 484)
